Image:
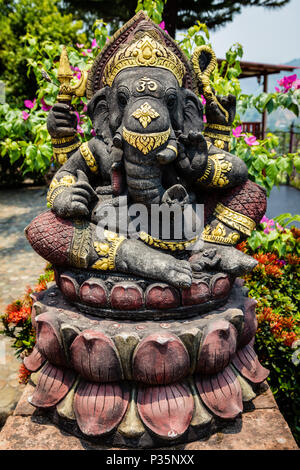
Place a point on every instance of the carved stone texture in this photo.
(250, 322)
(160, 358)
(198, 293)
(49, 340)
(166, 410)
(94, 292)
(52, 386)
(221, 393)
(94, 357)
(247, 363)
(162, 296)
(217, 348)
(220, 285)
(99, 408)
(126, 296)
(69, 286)
(35, 360)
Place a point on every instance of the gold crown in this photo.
(145, 51)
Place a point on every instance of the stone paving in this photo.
(20, 267)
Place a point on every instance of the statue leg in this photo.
(230, 219)
(75, 243)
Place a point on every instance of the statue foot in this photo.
(135, 257)
(224, 258)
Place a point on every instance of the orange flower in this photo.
(24, 374)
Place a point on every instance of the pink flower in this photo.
(93, 132)
(30, 104)
(80, 46)
(264, 220)
(251, 140)
(25, 115)
(204, 118)
(296, 84)
(80, 130)
(45, 106)
(237, 132)
(269, 224)
(279, 227)
(94, 43)
(203, 100)
(84, 109)
(163, 26)
(288, 82)
(77, 116)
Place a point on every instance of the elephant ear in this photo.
(192, 110)
(98, 112)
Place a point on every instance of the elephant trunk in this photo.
(144, 182)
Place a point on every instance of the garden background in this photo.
(32, 34)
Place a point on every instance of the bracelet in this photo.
(63, 140)
(234, 219)
(88, 157)
(56, 187)
(225, 138)
(60, 153)
(221, 167)
(173, 148)
(218, 235)
(219, 127)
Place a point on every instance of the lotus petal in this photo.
(35, 360)
(250, 322)
(52, 386)
(217, 348)
(221, 393)
(49, 341)
(166, 410)
(160, 358)
(94, 357)
(99, 408)
(247, 363)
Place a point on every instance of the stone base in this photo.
(260, 428)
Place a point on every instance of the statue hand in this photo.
(215, 114)
(62, 121)
(75, 200)
(192, 153)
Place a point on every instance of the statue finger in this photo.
(81, 192)
(63, 123)
(59, 115)
(65, 131)
(79, 198)
(61, 107)
(79, 208)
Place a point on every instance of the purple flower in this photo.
(163, 26)
(45, 106)
(282, 262)
(30, 104)
(93, 132)
(25, 115)
(94, 44)
(251, 140)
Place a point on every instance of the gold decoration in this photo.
(145, 51)
(204, 76)
(218, 235)
(219, 127)
(81, 243)
(173, 148)
(60, 154)
(145, 114)
(88, 157)
(65, 75)
(166, 245)
(146, 82)
(62, 140)
(56, 187)
(221, 167)
(234, 220)
(146, 142)
(225, 138)
(107, 251)
(207, 171)
(220, 144)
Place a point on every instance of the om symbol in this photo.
(146, 82)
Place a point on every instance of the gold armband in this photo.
(60, 154)
(234, 220)
(218, 235)
(88, 157)
(107, 251)
(56, 187)
(217, 167)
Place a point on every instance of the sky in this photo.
(268, 36)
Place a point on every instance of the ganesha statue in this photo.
(145, 340)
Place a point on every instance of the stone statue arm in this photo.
(71, 192)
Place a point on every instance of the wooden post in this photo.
(264, 115)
